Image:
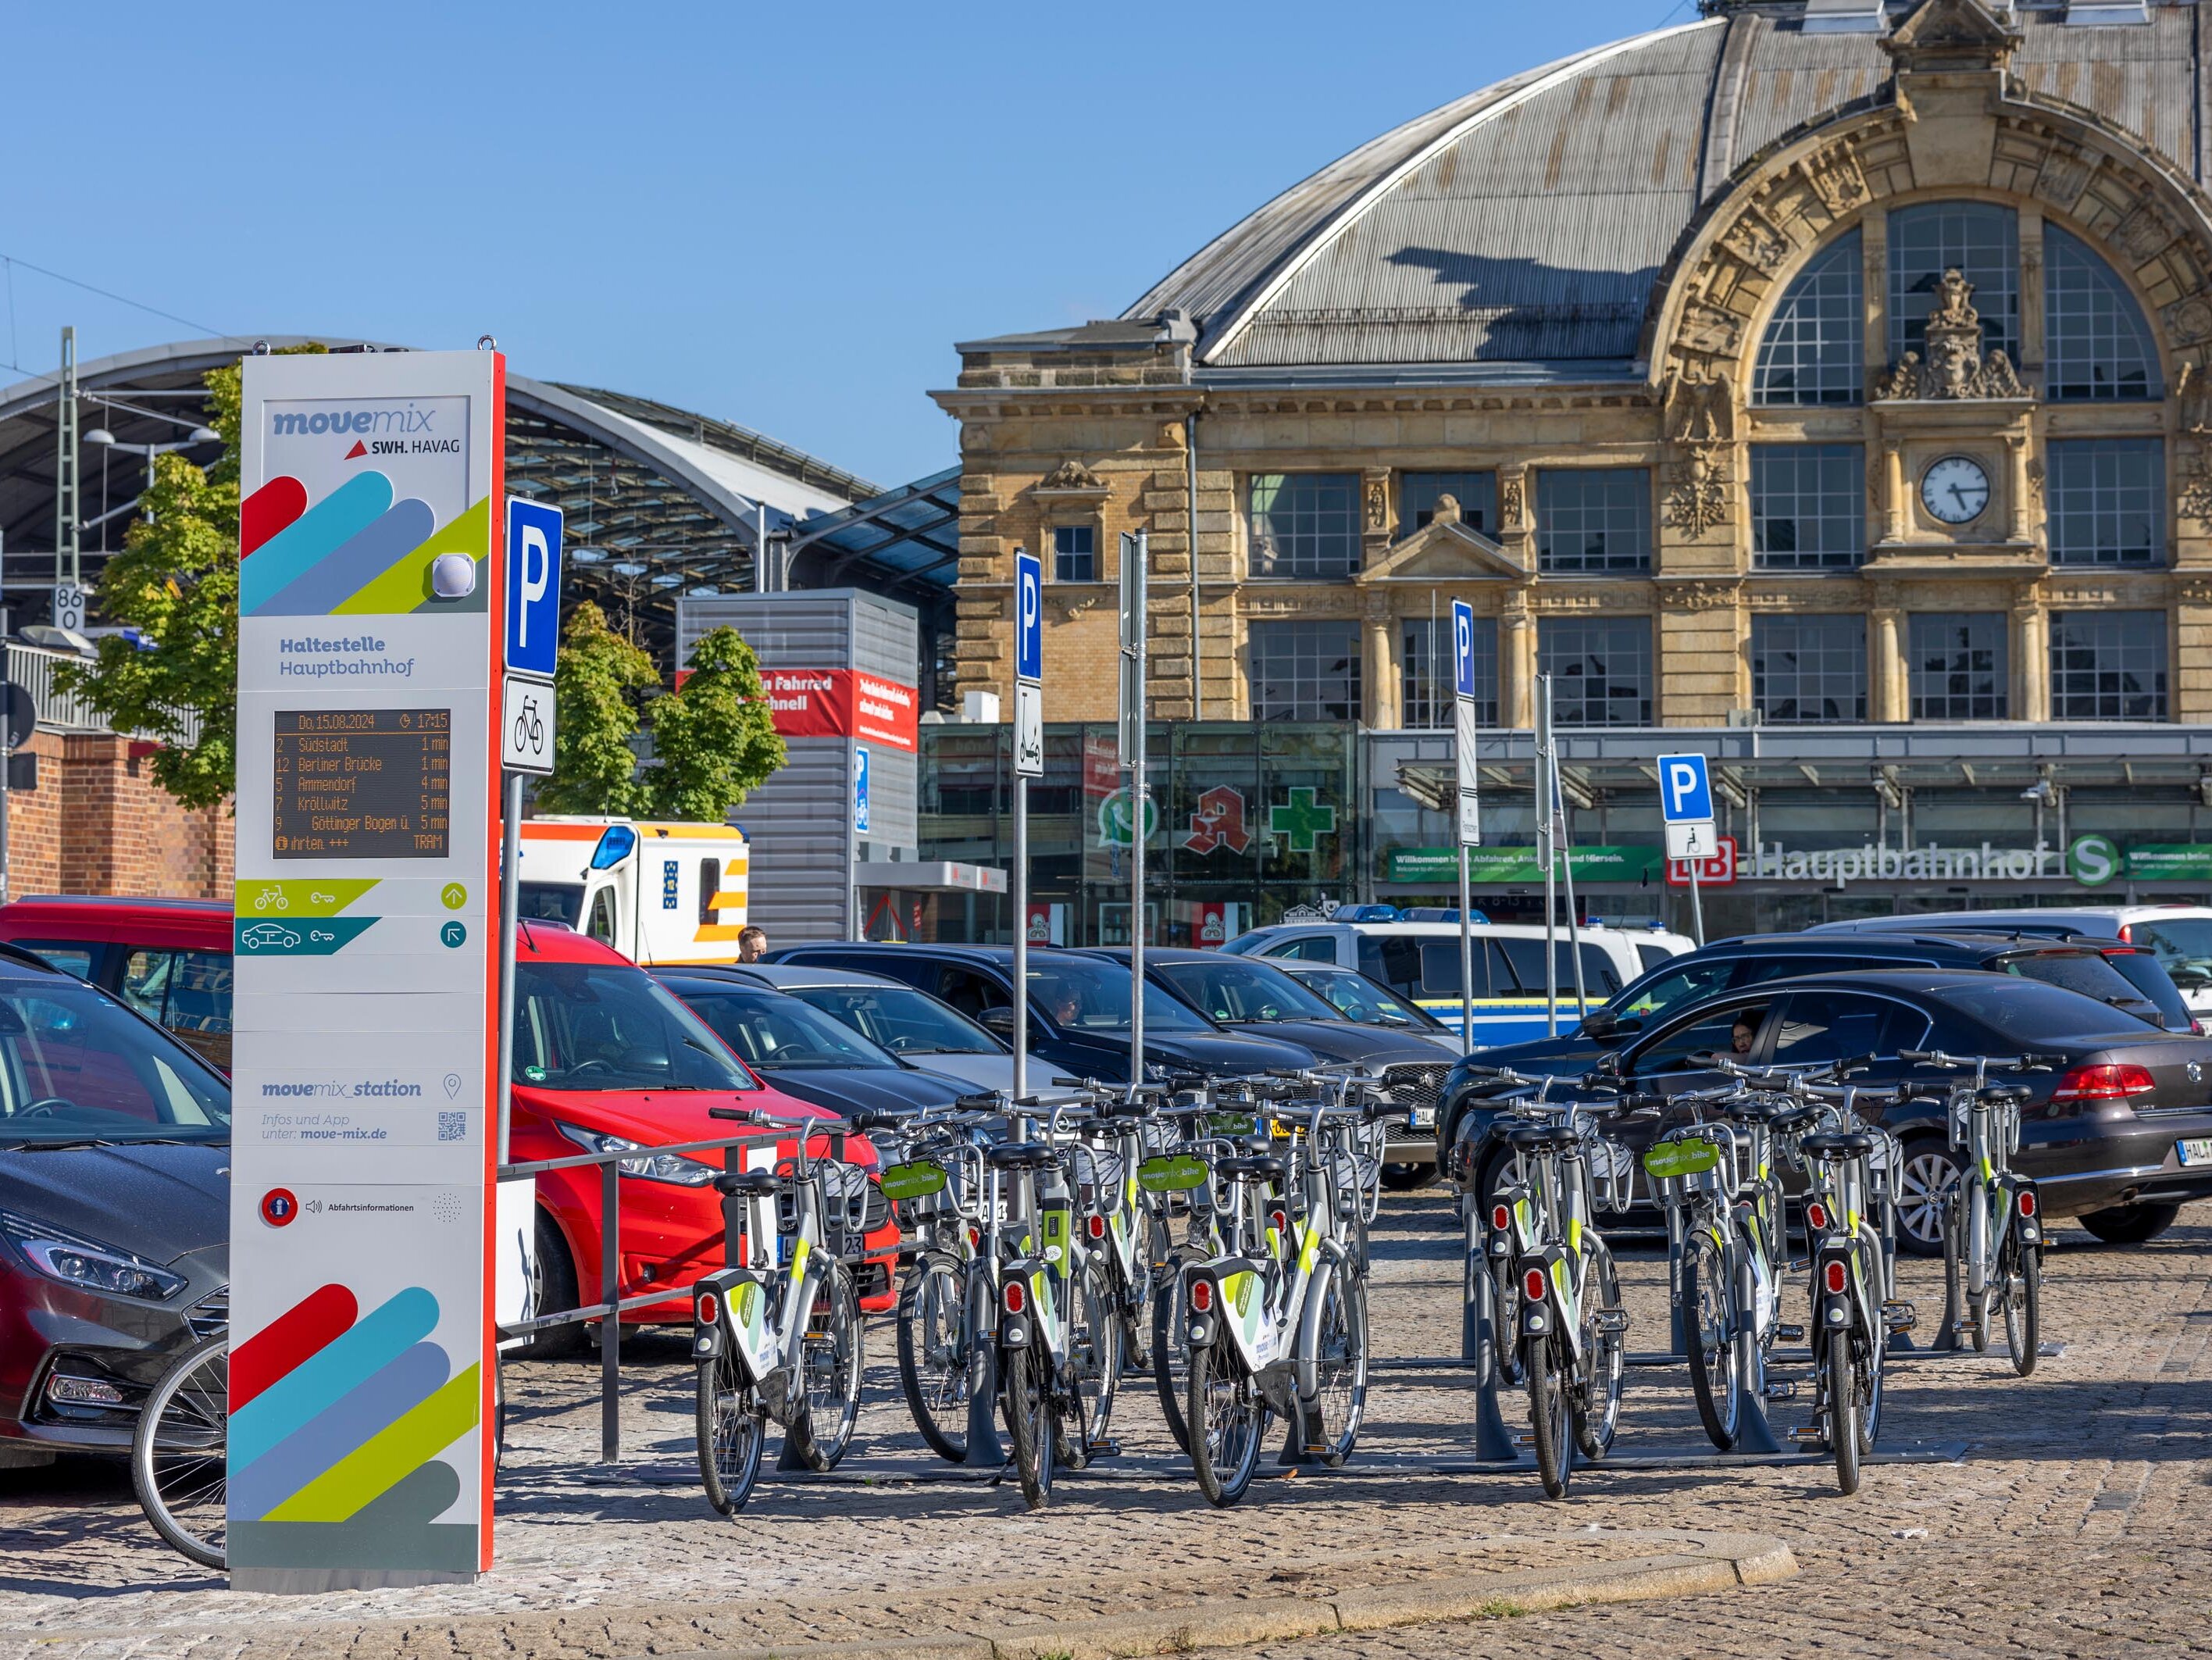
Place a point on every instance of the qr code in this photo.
(452, 1127)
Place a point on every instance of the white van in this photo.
(1419, 960)
(657, 892)
(2178, 936)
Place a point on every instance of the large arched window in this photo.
(1983, 241)
(1812, 354)
(2094, 341)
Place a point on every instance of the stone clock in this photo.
(1955, 489)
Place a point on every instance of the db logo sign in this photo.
(278, 1206)
(1717, 871)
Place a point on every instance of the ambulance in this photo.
(657, 892)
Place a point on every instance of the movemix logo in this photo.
(382, 423)
(367, 1087)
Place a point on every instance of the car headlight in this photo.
(672, 1167)
(80, 1262)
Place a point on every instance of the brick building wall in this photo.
(98, 824)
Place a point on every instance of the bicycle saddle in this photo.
(747, 1183)
(1749, 1112)
(1846, 1144)
(1793, 1119)
(1541, 1137)
(1252, 1167)
(1997, 1095)
(1019, 1155)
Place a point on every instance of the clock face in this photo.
(1955, 489)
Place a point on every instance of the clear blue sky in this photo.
(782, 215)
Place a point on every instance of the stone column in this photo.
(2016, 483)
(1888, 685)
(2030, 661)
(1516, 663)
(1381, 667)
(2031, 294)
(1893, 489)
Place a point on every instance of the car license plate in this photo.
(1424, 1118)
(2194, 1152)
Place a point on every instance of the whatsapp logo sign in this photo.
(2092, 860)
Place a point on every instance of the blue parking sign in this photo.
(1462, 648)
(1029, 616)
(533, 586)
(1686, 792)
(859, 789)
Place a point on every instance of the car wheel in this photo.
(553, 1292)
(2130, 1224)
(1927, 1177)
(1405, 1179)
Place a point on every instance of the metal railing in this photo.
(32, 668)
(610, 1310)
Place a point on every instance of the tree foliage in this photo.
(714, 738)
(176, 582)
(596, 680)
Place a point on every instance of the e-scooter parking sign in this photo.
(371, 590)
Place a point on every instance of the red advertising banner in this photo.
(844, 703)
(1717, 871)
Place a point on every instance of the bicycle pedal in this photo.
(1813, 1434)
(1609, 1322)
(1899, 1316)
(1315, 1448)
(1778, 1391)
(1103, 1449)
(1798, 1264)
(1788, 1334)
(1525, 1438)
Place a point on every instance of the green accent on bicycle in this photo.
(918, 1180)
(1171, 1173)
(1309, 1247)
(1053, 1224)
(1669, 1160)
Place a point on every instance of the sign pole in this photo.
(1029, 762)
(1565, 845)
(1547, 848)
(1697, 908)
(1468, 832)
(1136, 555)
(510, 916)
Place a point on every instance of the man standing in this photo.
(752, 945)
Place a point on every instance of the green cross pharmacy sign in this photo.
(1301, 819)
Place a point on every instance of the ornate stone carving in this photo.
(1707, 328)
(2188, 320)
(1953, 35)
(1955, 365)
(2143, 232)
(2196, 489)
(2065, 175)
(2194, 591)
(1697, 490)
(1446, 511)
(2035, 479)
(2192, 400)
(1699, 595)
(1837, 178)
(1700, 407)
(1753, 240)
(1378, 505)
(1508, 503)
(1071, 474)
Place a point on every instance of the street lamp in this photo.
(106, 439)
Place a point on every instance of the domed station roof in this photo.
(1520, 233)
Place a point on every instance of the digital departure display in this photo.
(363, 783)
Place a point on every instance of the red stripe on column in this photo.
(302, 1330)
(268, 510)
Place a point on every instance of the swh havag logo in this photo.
(2092, 860)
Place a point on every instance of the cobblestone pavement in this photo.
(2067, 1514)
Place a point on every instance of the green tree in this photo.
(713, 738)
(176, 582)
(596, 680)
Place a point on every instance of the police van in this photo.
(1416, 953)
(657, 892)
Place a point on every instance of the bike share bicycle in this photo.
(1993, 1218)
(779, 1337)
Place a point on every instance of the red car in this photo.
(604, 1057)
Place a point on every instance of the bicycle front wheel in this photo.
(1171, 1357)
(830, 1363)
(731, 1429)
(1027, 1401)
(1094, 1362)
(1709, 1314)
(1227, 1420)
(1843, 1397)
(932, 1353)
(2023, 1306)
(1546, 1369)
(1596, 1413)
(1340, 1361)
(178, 1453)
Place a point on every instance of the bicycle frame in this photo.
(732, 1305)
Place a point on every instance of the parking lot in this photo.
(2066, 1514)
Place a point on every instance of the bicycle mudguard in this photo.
(1556, 1313)
(1235, 1302)
(1309, 1375)
(710, 1308)
(1832, 1309)
(2023, 1207)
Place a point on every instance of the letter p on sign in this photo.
(533, 586)
(1686, 793)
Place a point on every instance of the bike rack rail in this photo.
(609, 1312)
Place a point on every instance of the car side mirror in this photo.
(1601, 1022)
(999, 1020)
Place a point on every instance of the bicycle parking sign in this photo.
(525, 731)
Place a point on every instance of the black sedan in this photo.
(2118, 1131)
(114, 1210)
(803, 1051)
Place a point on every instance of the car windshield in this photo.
(777, 1033)
(1085, 995)
(1682, 984)
(552, 901)
(1232, 988)
(75, 1066)
(609, 1026)
(2034, 1016)
(900, 1020)
(2141, 970)
(1357, 998)
(2183, 947)
(2088, 973)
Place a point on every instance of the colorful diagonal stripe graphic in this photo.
(355, 553)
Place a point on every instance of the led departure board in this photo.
(363, 783)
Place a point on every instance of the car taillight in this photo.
(1833, 1276)
(2128, 933)
(2027, 1203)
(1095, 1226)
(2111, 1081)
(1015, 1297)
(709, 1310)
(1500, 1218)
(1816, 1215)
(1532, 1285)
(1201, 1295)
